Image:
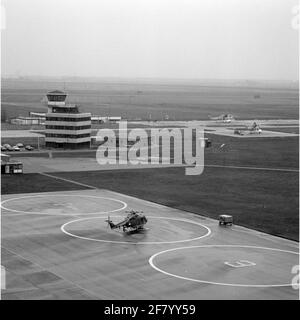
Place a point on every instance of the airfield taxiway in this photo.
(57, 245)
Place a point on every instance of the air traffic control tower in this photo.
(66, 127)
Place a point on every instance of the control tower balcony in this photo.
(66, 108)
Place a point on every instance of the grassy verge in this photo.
(257, 152)
(34, 182)
(284, 129)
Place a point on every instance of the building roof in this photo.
(20, 134)
(4, 158)
(3, 155)
(56, 92)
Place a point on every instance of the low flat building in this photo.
(100, 119)
(27, 121)
(9, 166)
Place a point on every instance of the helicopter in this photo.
(226, 118)
(134, 222)
(255, 128)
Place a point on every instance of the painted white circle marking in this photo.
(63, 229)
(124, 204)
(152, 258)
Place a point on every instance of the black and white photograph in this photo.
(150, 152)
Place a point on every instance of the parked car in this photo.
(6, 145)
(16, 148)
(237, 131)
(29, 148)
(3, 148)
(9, 148)
(20, 145)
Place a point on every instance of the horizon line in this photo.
(21, 77)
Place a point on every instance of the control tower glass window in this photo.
(57, 96)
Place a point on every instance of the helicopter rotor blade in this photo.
(108, 219)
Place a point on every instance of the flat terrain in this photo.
(57, 246)
(173, 100)
(34, 182)
(291, 129)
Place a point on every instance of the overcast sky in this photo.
(203, 39)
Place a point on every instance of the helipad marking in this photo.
(63, 214)
(240, 264)
(219, 283)
(146, 242)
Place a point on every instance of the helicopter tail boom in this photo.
(110, 223)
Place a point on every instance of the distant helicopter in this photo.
(255, 128)
(227, 118)
(134, 222)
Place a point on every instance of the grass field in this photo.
(157, 100)
(34, 182)
(284, 129)
(259, 152)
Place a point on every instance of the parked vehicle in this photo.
(3, 148)
(16, 148)
(29, 148)
(237, 131)
(9, 148)
(20, 145)
(225, 219)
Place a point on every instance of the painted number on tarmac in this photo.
(240, 263)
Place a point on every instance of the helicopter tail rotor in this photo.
(109, 223)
